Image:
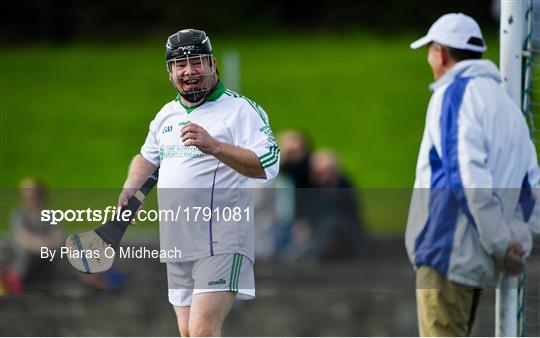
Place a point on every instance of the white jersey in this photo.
(191, 179)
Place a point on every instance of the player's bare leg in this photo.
(182, 317)
(208, 312)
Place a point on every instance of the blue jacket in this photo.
(476, 167)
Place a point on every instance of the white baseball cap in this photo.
(455, 30)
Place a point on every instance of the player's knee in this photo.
(205, 332)
(183, 327)
(199, 329)
(182, 318)
(184, 331)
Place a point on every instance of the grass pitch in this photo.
(75, 115)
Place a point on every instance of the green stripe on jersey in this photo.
(257, 109)
(253, 104)
(269, 153)
(231, 93)
(267, 165)
(271, 161)
(270, 158)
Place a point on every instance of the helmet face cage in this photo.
(192, 76)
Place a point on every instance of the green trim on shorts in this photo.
(235, 272)
(232, 273)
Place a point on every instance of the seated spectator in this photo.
(295, 153)
(29, 235)
(329, 225)
(21, 266)
(275, 202)
(274, 214)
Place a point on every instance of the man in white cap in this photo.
(472, 213)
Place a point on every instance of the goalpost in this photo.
(519, 27)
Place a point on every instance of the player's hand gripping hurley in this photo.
(107, 235)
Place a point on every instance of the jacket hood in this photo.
(469, 68)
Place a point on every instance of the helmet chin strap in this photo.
(198, 95)
(194, 96)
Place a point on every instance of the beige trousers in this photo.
(444, 308)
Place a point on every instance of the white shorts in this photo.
(225, 272)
